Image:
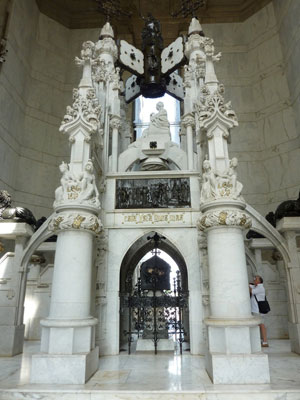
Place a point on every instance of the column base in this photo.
(234, 352)
(238, 368)
(64, 369)
(12, 339)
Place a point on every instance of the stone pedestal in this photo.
(68, 334)
(234, 350)
(13, 283)
(234, 355)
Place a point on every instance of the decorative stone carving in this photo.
(81, 189)
(213, 105)
(159, 123)
(16, 214)
(85, 107)
(89, 192)
(86, 52)
(115, 122)
(106, 44)
(224, 218)
(188, 120)
(75, 221)
(216, 185)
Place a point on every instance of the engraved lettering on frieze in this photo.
(153, 193)
(153, 218)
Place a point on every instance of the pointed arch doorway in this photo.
(154, 311)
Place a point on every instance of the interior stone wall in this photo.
(14, 74)
(258, 67)
(32, 102)
(287, 15)
(266, 142)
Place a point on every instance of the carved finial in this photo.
(195, 27)
(107, 31)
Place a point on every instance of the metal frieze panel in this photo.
(172, 56)
(175, 86)
(132, 89)
(153, 193)
(131, 57)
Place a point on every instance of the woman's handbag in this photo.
(263, 306)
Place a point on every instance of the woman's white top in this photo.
(260, 293)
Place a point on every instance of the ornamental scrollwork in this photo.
(224, 218)
(214, 104)
(86, 107)
(75, 221)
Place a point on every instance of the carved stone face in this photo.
(159, 106)
(206, 165)
(63, 167)
(234, 162)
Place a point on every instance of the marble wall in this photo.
(32, 101)
(253, 69)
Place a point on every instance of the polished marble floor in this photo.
(146, 376)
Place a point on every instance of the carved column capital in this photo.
(115, 122)
(188, 120)
(225, 217)
(75, 221)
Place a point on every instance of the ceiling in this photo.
(76, 14)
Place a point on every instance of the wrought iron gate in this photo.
(159, 314)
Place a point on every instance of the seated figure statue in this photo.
(159, 124)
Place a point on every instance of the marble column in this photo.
(234, 349)
(115, 124)
(69, 354)
(13, 284)
(188, 122)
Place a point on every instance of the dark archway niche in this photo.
(140, 248)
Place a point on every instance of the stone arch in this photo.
(140, 248)
(262, 226)
(136, 251)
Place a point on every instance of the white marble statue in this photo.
(237, 186)
(159, 124)
(216, 185)
(81, 188)
(209, 182)
(89, 192)
(67, 180)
